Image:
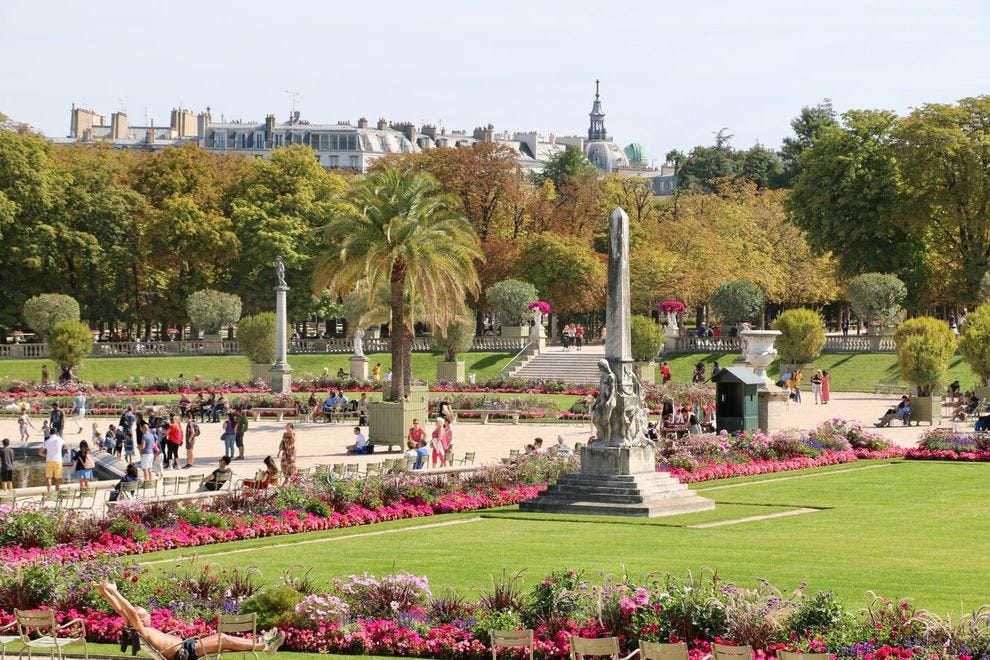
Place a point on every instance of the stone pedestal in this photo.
(450, 372)
(646, 371)
(281, 372)
(618, 481)
(212, 344)
(358, 367)
(260, 372)
(771, 401)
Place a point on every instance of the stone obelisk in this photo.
(618, 470)
(281, 372)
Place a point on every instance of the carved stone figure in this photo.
(604, 405)
(359, 342)
(280, 271)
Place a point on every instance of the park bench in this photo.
(270, 412)
(889, 388)
(484, 415)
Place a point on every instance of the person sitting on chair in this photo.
(219, 477)
(895, 413)
(176, 648)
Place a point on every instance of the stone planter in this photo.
(759, 351)
(416, 392)
(261, 372)
(212, 344)
(646, 371)
(450, 372)
(515, 331)
(389, 422)
(926, 409)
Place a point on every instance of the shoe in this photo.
(187, 466)
(275, 643)
(267, 637)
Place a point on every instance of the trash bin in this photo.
(471, 378)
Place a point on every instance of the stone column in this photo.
(281, 371)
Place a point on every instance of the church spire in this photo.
(596, 130)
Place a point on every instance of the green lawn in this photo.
(237, 367)
(914, 529)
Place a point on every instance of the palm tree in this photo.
(401, 235)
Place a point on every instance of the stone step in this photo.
(653, 509)
(611, 490)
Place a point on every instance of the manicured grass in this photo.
(237, 368)
(904, 529)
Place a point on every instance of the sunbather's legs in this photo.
(212, 643)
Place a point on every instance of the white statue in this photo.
(280, 270)
(359, 342)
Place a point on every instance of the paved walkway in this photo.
(324, 443)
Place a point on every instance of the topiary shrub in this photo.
(509, 300)
(737, 301)
(974, 344)
(272, 604)
(68, 343)
(802, 335)
(646, 337)
(924, 347)
(876, 297)
(256, 335)
(456, 338)
(209, 310)
(42, 313)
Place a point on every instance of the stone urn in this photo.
(536, 334)
(759, 350)
(671, 330)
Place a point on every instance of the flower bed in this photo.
(712, 471)
(947, 445)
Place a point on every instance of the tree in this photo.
(876, 297)
(566, 274)
(399, 233)
(807, 126)
(209, 310)
(69, 342)
(924, 347)
(646, 338)
(802, 335)
(944, 156)
(256, 335)
(566, 165)
(43, 312)
(846, 198)
(509, 300)
(974, 344)
(456, 337)
(737, 301)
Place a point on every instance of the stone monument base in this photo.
(359, 367)
(618, 481)
(770, 412)
(281, 379)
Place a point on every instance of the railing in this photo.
(516, 360)
(232, 347)
(833, 344)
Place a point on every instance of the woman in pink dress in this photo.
(437, 439)
(826, 386)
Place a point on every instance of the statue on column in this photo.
(280, 270)
(359, 342)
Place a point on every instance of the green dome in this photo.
(636, 154)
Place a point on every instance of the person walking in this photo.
(56, 419)
(23, 423)
(192, 432)
(229, 436)
(44, 375)
(816, 386)
(242, 427)
(173, 440)
(826, 387)
(436, 443)
(84, 464)
(146, 450)
(51, 449)
(845, 326)
(79, 410)
(287, 452)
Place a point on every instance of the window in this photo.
(316, 140)
(219, 140)
(242, 140)
(333, 161)
(259, 140)
(278, 140)
(354, 162)
(384, 143)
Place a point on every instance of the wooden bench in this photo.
(485, 414)
(280, 412)
(889, 388)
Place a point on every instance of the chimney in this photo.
(430, 131)
(407, 129)
(269, 126)
(363, 122)
(118, 125)
(202, 121)
(382, 124)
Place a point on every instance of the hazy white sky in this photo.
(673, 73)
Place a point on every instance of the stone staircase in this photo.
(642, 494)
(556, 364)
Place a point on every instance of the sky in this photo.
(672, 74)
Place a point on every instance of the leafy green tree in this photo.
(944, 156)
(807, 126)
(256, 335)
(974, 343)
(876, 297)
(646, 338)
(69, 342)
(703, 166)
(456, 337)
(802, 335)
(509, 301)
(762, 166)
(209, 310)
(737, 301)
(566, 165)
(43, 312)
(925, 346)
(846, 198)
(399, 233)
(567, 274)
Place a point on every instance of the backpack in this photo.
(195, 430)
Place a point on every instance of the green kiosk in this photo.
(736, 401)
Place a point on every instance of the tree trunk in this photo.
(400, 351)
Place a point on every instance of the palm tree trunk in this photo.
(400, 352)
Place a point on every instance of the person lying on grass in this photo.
(176, 648)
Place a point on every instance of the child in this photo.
(110, 440)
(97, 436)
(23, 421)
(46, 429)
(128, 448)
(6, 465)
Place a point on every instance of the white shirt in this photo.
(360, 440)
(53, 448)
(80, 402)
